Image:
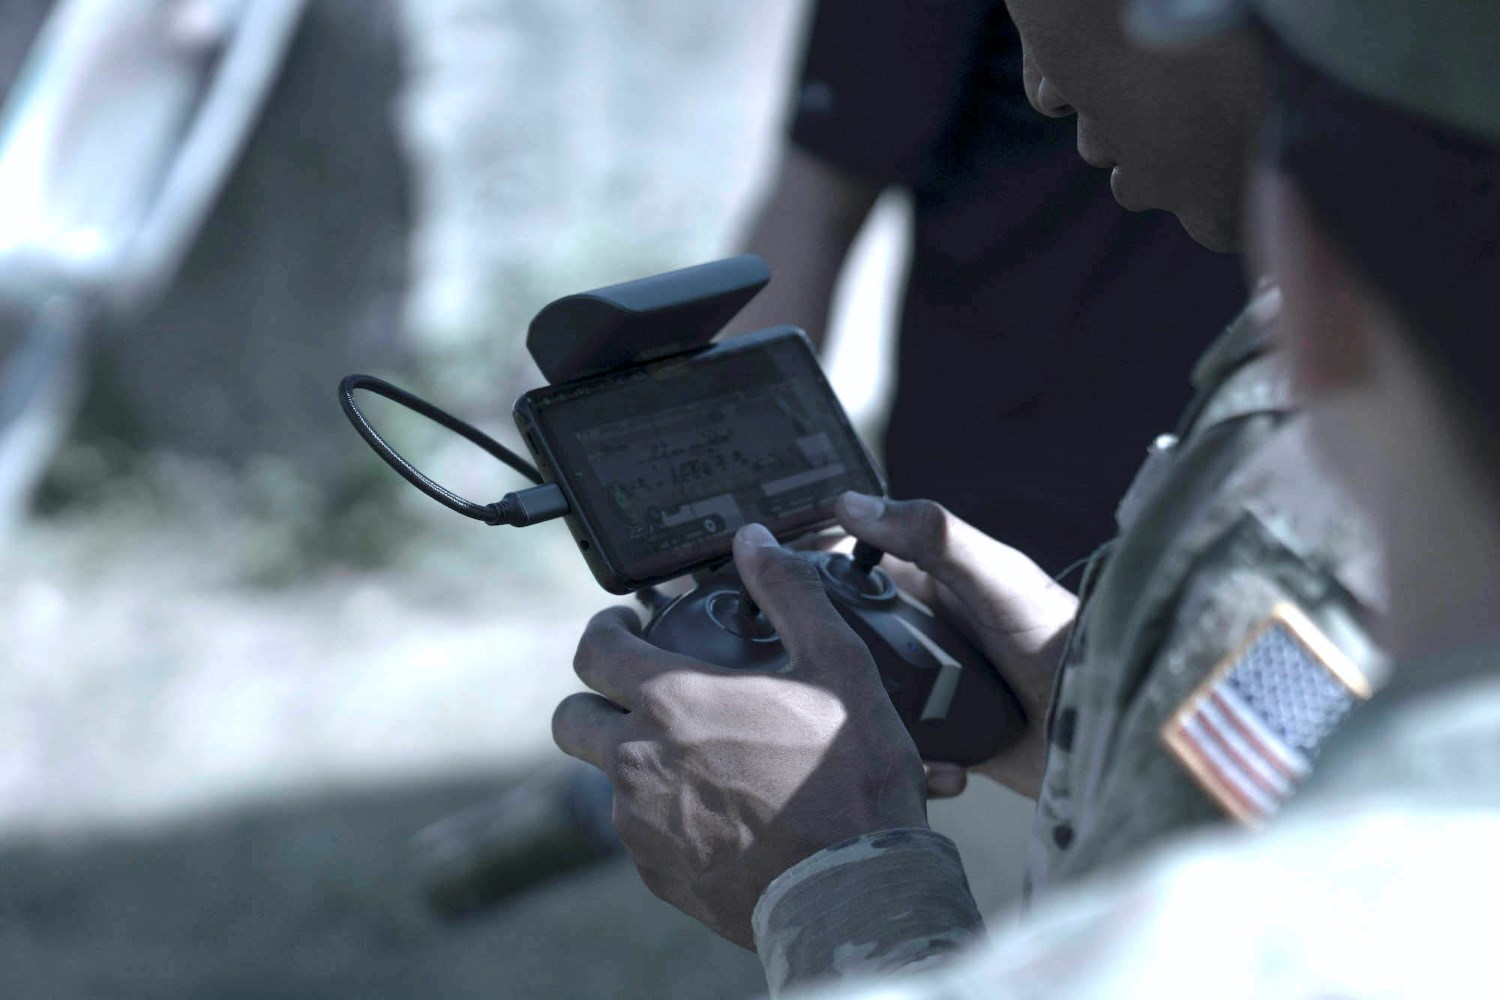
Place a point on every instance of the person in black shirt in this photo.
(1046, 335)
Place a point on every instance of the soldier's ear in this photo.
(1326, 307)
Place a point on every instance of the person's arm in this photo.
(792, 803)
(804, 230)
(886, 902)
(878, 91)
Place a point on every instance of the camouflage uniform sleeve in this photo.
(1311, 907)
(886, 901)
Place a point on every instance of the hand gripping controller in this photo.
(949, 696)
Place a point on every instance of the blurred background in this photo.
(245, 663)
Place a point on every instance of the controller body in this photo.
(950, 697)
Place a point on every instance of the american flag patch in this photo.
(1249, 733)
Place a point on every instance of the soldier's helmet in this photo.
(1437, 59)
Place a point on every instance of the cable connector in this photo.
(528, 507)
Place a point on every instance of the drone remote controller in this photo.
(656, 445)
(948, 695)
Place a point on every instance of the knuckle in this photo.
(602, 643)
(659, 700)
(562, 717)
(607, 626)
(567, 732)
(922, 532)
(631, 763)
(679, 693)
(590, 648)
(585, 657)
(929, 521)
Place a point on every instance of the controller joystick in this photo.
(952, 701)
(866, 557)
(846, 576)
(738, 615)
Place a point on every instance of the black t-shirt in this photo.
(1046, 334)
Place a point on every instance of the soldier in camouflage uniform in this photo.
(1220, 640)
(1381, 879)
(1230, 528)
(1312, 908)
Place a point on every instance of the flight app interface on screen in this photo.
(673, 458)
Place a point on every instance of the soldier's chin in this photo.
(1120, 186)
(1211, 232)
(1211, 223)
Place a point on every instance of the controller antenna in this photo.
(866, 558)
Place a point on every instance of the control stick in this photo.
(949, 696)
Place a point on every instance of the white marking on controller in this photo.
(940, 698)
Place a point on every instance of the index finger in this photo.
(789, 591)
(615, 661)
(587, 727)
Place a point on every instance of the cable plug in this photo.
(527, 507)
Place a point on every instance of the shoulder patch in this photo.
(1249, 733)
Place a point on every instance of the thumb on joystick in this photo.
(788, 589)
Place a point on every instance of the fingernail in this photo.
(861, 507)
(757, 535)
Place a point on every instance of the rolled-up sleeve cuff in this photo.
(883, 902)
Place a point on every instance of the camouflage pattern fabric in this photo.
(1227, 519)
(1376, 883)
(1225, 522)
(816, 919)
